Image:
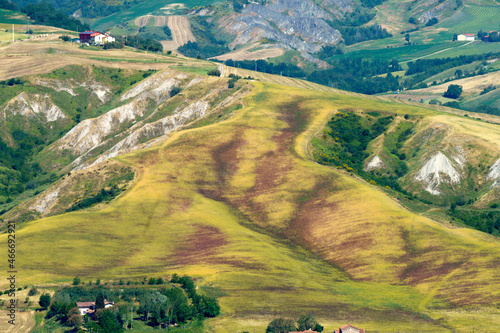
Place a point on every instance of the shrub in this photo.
(214, 72)
(33, 291)
(174, 91)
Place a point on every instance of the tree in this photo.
(44, 301)
(99, 301)
(108, 321)
(74, 318)
(307, 322)
(76, 281)
(151, 302)
(281, 325)
(407, 38)
(152, 281)
(458, 73)
(454, 91)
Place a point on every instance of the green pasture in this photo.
(11, 17)
(141, 9)
(471, 19)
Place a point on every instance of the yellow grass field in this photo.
(25, 322)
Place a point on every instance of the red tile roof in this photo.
(361, 330)
(469, 35)
(85, 304)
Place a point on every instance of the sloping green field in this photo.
(473, 18)
(240, 205)
(11, 17)
(147, 7)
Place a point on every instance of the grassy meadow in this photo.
(240, 205)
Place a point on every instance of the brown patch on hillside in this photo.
(204, 242)
(225, 157)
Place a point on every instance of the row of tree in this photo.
(304, 323)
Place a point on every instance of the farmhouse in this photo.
(350, 329)
(102, 39)
(88, 308)
(466, 37)
(86, 36)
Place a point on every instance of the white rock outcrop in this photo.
(494, 174)
(34, 105)
(375, 163)
(90, 133)
(438, 169)
(149, 131)
(46, 202)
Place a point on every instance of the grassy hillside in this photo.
(240, 204)
(12, 17)
(148, 7)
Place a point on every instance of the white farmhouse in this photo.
(466, 37)
(102, 39)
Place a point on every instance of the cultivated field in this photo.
(181, 33)
(29, 58)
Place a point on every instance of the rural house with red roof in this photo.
(350, 329)
(88, 308)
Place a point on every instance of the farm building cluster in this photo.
(95, 38)
(348, 328)
(88, 308)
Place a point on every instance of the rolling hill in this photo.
(242, 205)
